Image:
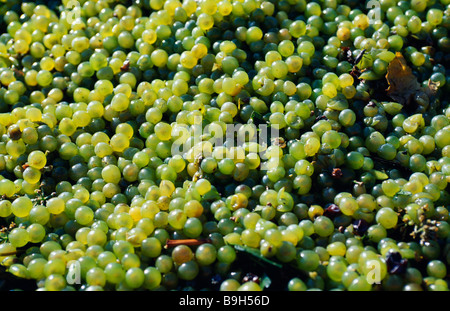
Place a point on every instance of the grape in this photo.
(336, 249)
(226, 254)
(21, 206)
(229, 285)
(39, 215)
(249, 286)
(188, 270)
(359, 284)
(151, 247)
(386, 217)
(323, 226)
(114, 273)
(436, 269)
(332, 139)
(134, 277)
(336, 269)
(5, 208)
(308, 260)
(96, 237)
(19, 237)
(205, 254)
(348, 206)
(152, 278)
(55, 282)
(96, 277)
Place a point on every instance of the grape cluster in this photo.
(97, 99)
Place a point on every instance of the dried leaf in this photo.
(279, 141)
(402, 82)
(216, 67)
(432, 88)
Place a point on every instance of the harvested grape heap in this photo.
(113, 177)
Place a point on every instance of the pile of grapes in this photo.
(113, 177)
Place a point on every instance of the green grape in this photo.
(250, 238)
(296, 284)
(105, 258)
(226, 254)
(355, 160)
(114, 273)
(151, 247)
(274, 237)
(120, 102)
(8, 189)
(19, 237)
(359, 284)
(437, 269)
(434, 16)
(36, 268)
(323, 226)
(205, 254)
(336, 269)
(96, 277)
(249, 286)
(5, 208)
(55, 205)
(286, 252)
(347, 117)
(111, 174)
(177, 219)
(308, 260)
(39, 215)
(329, 89)
(21, 206)
(387, 217)
(336, 249)
(55, 282)
(331, 138)
(31, 175)
(134, 277)
(54, 266)
(15, 148)
(390, 187)
(229, 285)
(96, 237)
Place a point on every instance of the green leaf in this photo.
(379, 175)
(265, 281)
(404, 192)
(257, 257)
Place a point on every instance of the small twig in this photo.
(188, 242)
(8, 254)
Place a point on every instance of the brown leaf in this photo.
(431, 89)
(402, 82)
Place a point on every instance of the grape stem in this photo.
(188, 242)
(8, 254)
